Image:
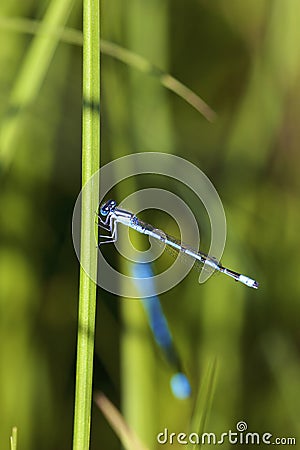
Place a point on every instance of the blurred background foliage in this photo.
(243, 59)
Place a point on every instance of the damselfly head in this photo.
(107, 207)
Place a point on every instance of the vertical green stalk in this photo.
(13, 439)
(32, 74)
(150, 130)
(90, 164)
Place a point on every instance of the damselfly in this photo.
(110, 215)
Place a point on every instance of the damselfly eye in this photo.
(103, 211)
(107, 207)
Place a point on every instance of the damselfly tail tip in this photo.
(248, 281)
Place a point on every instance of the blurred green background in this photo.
(243, 59)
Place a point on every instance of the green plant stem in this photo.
(90, 164)
(32, 74)
(204, 400)
(14, 439)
